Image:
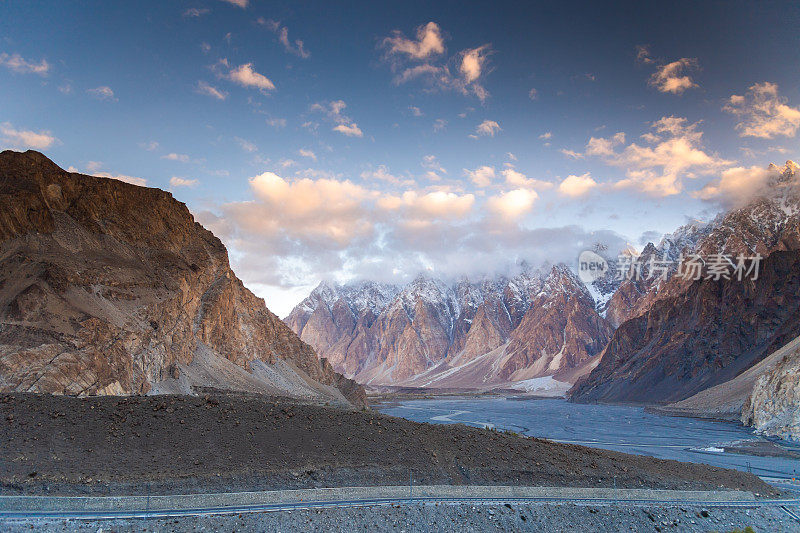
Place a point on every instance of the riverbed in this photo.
(622, 428)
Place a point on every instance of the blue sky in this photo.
(399, 137)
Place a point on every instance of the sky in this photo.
(378, 140)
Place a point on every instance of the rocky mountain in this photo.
(111, 288)
(705, 336)
(773, 405)
(767, 223)
(540, 322)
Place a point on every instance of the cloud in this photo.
(533, 94)
(25, 139)
(481, 176)
(175, 181)
(183, 158)
(241, 3)
(92, 168)
(737, 185)
(515, 178)
(643, 54)
(17, 63)
(512, 204)
(103, 92)
(424, 59)
(335, 112)
(382, 173)
(351, 130)
(194, 12)
(427, 206)
(672, 152)
(210, 90)
(417, 112)
(577, 186)
(245, 76)
(150, 146)
(298, 48)
(763, 113)
(429, 42)
(307, 153)
(276, 122)
(439, 124)
(430, 161)
(671, 78)
(546, 135)
(246, 145)
(488, 128)
(571, 153)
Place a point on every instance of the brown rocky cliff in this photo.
(106, 287)
(700, 338)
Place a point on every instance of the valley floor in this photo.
(222, 443)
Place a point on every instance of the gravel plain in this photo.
(414, 518)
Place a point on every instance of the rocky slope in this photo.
(111, 288)
(700, 338)
(467, 334)
(767, 223)
(773, 406)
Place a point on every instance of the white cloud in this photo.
(297, 48)
(515, 178)
(546, 135)
(671, 78)
(577, 186)
(481, 176)
(241, 3)
(417, 112)
(335, 112)
(764, 113)
(175, 181)
(512, 204)
(246, 145)
(533, 94)
(103, 92)
(488, 127)
(245, 76)
(195, 12)
(303, 152)
(382, 173)
(673, 152)
(210, 90)
(423, 58)
(276, 122)
(351, 130)
(92, 168)
(439, 124)
(432, 205)
(25, 139)
(429, 42)
(183, 158)
(571, 153)
(430, 161)
(150, 146)
(737, 185)
(17, 63)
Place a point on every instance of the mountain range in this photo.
(646, 339)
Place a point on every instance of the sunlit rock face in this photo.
(773, 407)
(464, 334)
(112, 288)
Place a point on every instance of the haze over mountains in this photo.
(112, 288)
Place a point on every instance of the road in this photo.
(107, 507)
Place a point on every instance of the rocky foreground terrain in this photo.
(564, 518)
(112, 288)
(179, 444)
